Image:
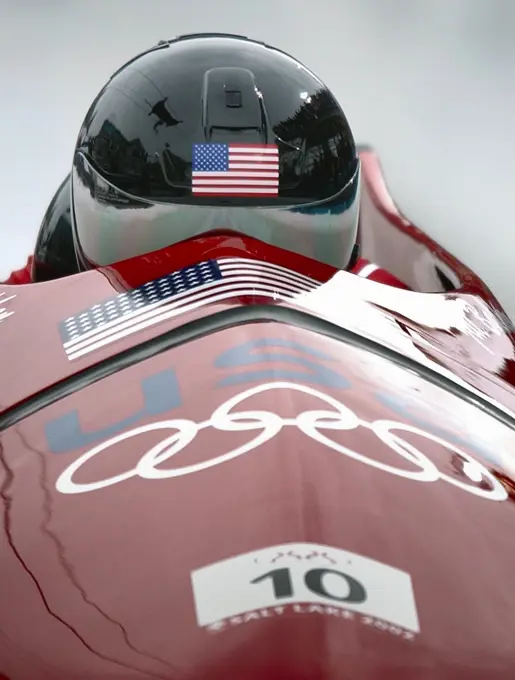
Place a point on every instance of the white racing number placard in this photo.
(296, 573)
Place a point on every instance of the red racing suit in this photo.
(363, 268)
(20, 276)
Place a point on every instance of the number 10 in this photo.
(314, 579)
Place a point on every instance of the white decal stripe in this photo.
(238, 270)
(258, 265)
(237, 274)
(234, 190)
(232, 181)
(257, 158)
(233, 165)
(269, 151)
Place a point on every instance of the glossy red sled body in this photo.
(259, 469)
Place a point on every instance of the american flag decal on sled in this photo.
(183, 291)
(235, 170)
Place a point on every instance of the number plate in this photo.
(297, 573)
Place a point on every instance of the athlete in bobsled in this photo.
(200, 134)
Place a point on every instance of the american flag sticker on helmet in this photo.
(235, 170)
(175, 294)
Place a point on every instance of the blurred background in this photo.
(429, 83)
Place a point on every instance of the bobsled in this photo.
(223, 460)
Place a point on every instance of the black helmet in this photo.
(214, 132)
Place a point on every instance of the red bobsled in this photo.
(255, 468)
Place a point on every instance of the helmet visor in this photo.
(112, 226)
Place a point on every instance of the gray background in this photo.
(429, 83)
